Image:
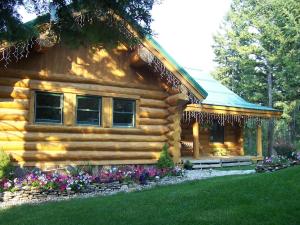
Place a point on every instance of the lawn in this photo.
(249, 167)
(270, 198)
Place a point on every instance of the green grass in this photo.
(270, 198)
(249, 167)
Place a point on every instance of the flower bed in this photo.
(42, 185)
(274, 163)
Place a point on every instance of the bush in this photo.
(273, 163)
(188, 165)
(165, 160)
(284, 149)
(4, 164)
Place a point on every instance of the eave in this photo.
(235, 111)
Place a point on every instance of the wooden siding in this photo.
(93, 71)
(233, 141)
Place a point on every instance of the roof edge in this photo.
(220, 109)
(179, 68)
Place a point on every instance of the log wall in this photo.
(93, 71)
(232, 146)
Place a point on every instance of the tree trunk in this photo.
(293, 126)
(271, 122)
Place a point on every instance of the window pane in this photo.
(123, 112)
(123, 119)
(123, 105)
(88, 102)
(51, 115)
(217, 133)
(88, 117)
(48, 99)
(48, 107)
(88, 110)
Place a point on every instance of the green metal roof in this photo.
(180, 69)
(220, 95)
(213, 90)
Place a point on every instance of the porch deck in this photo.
(220, 161)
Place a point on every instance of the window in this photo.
(48, 107)
(88, 110)
(123, 113)
(217, 132)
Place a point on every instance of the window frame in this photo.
(61, 107)
(133, 113)
(222, 134)
(100, 113)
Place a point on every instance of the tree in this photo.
(76, 22)
(258, 49)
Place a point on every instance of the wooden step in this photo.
(217, 163)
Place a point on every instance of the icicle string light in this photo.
(222, 119)
(165, 74)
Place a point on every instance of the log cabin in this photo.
(100, 106)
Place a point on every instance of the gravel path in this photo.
(201, 174)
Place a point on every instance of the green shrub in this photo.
(165, 160)
(188, 165)
(284, 149)
(4, 164)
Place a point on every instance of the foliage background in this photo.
(258, 50)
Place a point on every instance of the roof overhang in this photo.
(226, 110)
(205, 113)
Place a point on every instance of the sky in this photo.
(185, 29)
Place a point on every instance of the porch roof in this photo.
(220, 97)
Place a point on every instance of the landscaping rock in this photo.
(124, 188)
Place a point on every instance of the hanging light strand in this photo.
(222, 119)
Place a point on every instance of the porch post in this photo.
(259, 141)
(196, 144)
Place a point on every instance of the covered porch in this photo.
(215, 133)
(214, 128)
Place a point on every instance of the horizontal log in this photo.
(78, 88)
(157, 128)
(150, 121)
(13, 92)
(153, 103)
(60, 164)
(174, 127)
(24, 75)
(177, 99)
(79, 155)
(21, 86)
(45, 136)
(173, 109)
(153, 113)
(10, 103)
(13, 114)
(84, 146)
(23, 126)
(14, 82)
(173, 118)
